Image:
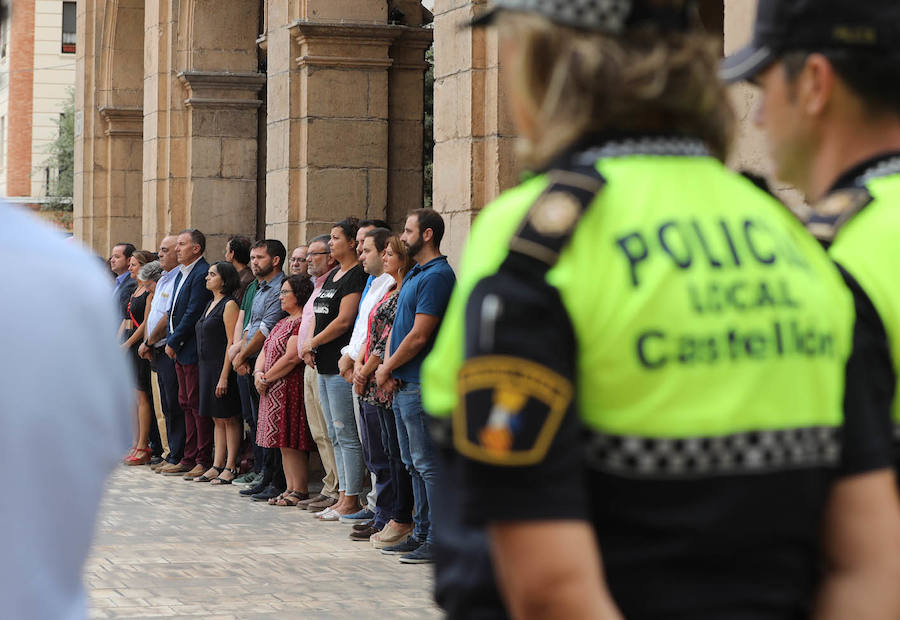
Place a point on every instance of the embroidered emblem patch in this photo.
(510, 410)
(828, 215)
(555, 214)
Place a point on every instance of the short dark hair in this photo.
(429, 218)
(375, 223)
(349, 227)
(128, 250)
(274, 248)
(379, 237)
(231, 281)
(874, 77)
(302, 287)
(240, 247)
(197, 237)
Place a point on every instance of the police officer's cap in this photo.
(608, 16)
(814, 25)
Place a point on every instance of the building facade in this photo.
(279, 117)
(37, 75)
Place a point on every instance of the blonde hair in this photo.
(573, 83)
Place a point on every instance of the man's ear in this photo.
(428, 235)
(816, 84)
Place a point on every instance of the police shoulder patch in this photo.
(510, 411)
(825, 219)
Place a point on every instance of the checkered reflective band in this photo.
(605, 15)
(664, 146)
(741, 453)
(888, 167)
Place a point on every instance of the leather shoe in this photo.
(304, 505)
(321, 505)
(364, 534)
(266, 494)
(256, 488)
(362, 526)
(172, 469)
(195, 473)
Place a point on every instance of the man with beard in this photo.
(421, 305)
(125, 284)
(266, 261)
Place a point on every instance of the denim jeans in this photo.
(377, 462)
(337, 405)
(400, 480)
(418, 454)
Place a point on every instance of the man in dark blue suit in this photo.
(189, 301)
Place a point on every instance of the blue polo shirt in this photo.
(426, 290)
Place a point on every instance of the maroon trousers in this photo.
(198, 429)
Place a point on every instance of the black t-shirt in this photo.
(327, 307)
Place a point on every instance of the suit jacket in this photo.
(189, 304)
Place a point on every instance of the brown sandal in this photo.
(291, 498)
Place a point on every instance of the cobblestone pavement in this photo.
(169, 548)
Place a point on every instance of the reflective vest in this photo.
(701, 307)
(867, 247)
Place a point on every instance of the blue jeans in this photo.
(337, 405)
(376, 460)
(400, 480)
(418, 453)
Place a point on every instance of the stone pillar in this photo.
(328, 147)
(200, 119)
(221, 154)
(108, 115)
(474, 157)
(749, 151)
(406, 116)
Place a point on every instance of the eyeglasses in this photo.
(285, 293)
(298, 260)
(308, 254)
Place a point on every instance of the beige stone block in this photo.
(378, 85)
(277, 196)
(239, 158)
(346, 10)
(377, 191)
(456, 48)
(277, 147)
(346, 143)
(133, 198)
(407, 99)
(240, 123)
(203, 122)
(456, 233)
(452, 176)
(337, 94)
(223, 205)
(405, 193)
(238, 60)
(278, 96)
(206, 157)
(277, 230)
(406, 145)
(335, 190)
(442, 6)
(452, 108)
(224, 35)
(175, 195)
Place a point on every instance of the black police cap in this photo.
(814, 25)
(609, 16)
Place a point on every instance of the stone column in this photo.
(328, 147)
(221, 154)
(474, 157)
(108, 123)
(406, 116)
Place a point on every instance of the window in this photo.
(68, 28)
(4, 36)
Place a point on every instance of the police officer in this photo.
(649, 370)
(832, 70)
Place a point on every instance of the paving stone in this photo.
(168, 548)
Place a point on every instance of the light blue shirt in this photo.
(266, 310)
(162, 302)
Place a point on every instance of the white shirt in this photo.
(162, 302)
(380, 286)
(66, 394)
(185, 271)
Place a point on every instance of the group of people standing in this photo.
(324, 358)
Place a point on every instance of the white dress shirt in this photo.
(185, 272)
(380, 286)
(65, 395)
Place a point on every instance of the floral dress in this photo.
(380, 321)
(282, 416)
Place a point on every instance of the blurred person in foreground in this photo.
(830, 110)
(648, 373)
(66, 394)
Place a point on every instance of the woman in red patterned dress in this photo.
(279, 379)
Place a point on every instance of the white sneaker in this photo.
(327, 515)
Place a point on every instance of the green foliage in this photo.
(428, 133)
(62, 158)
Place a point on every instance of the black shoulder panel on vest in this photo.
(554, 216)
(759, 181)
(831, 213)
